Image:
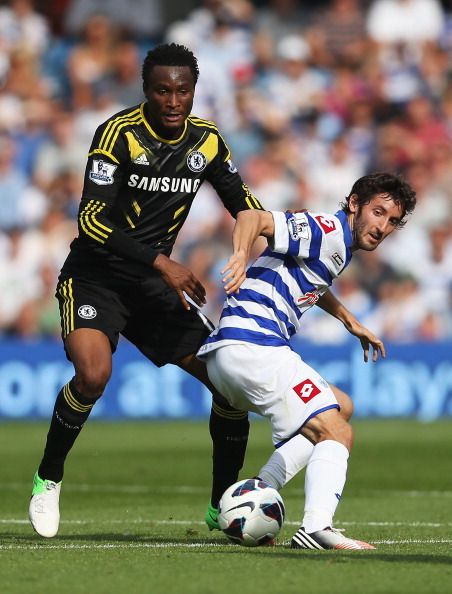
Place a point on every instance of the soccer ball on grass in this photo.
(251, 513)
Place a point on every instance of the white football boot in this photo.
(44, 510)
(329, 538)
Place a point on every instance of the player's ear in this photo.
(353, 204)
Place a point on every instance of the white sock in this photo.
(324, 481)
(286, 461)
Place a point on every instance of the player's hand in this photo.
(367, 340)
(235, 273)
(181, 279)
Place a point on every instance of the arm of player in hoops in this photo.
(329, 303)
(249, 225)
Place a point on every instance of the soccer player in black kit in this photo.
(144, 168)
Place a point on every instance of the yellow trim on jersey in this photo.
(101, 152)
(236, 415)
(179, 211)
(67, 314)
(129, 220)
(209, 148)
(113, 124)
(85, 222)
(200, 122)
(73, 402)
(89, 223)
(136, 207)
(155, 135)
(135, 148)
(117, 130)
(250, 199)
(228, 154)
(174, 227)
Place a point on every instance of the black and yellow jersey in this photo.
(139, 187)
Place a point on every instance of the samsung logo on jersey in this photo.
(164, 184)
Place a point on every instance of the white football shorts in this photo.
(273, 382)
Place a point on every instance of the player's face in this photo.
(169, 91)
(373, 221)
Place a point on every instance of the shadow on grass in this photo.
(219, 547)
(350, 556)
(112, 538)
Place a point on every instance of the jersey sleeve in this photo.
(225, 178)
(103, 179)
(293, 234)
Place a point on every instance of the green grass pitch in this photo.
(134, 497)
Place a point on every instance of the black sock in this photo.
(69, 414)
(229, 429)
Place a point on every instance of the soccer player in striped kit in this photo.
(249, 358)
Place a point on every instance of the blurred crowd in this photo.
(308, 95)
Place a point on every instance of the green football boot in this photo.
(211, 517)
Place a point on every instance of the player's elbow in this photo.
(261, 220)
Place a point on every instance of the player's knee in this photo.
(345, 402)
(330, 425)
(91, 380)
(346, 407)
(343, 433)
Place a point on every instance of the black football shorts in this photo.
(148, 313)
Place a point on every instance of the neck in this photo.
(351, 223)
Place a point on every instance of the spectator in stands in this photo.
(61, 152)
(21, 204)
(340, 30)
(142, 19)
(90, 61)
(124, 80)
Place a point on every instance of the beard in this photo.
(362, 240)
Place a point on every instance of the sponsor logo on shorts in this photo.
(196, 161)
(307, 390)
(87, 312)
(101, 172)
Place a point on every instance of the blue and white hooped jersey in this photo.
(308, 251)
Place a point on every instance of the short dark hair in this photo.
(169, 54)
(383, 183)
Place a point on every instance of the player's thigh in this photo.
(301, 393)
(345, 402)
(89, 305)
(90, 353)
(163, 330)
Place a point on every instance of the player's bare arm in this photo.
(329, 303)
(181, 279)
(250, 224)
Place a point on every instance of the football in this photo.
(251, 513)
